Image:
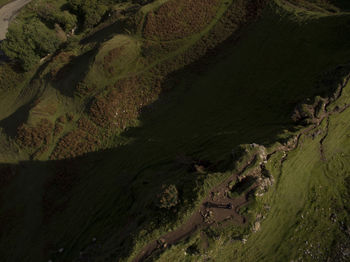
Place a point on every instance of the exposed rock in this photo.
(256, 226)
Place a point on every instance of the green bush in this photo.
(52, 15)
(28, 42)
(90, 12)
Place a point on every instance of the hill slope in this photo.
(177, 131)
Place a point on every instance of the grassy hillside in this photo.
(114, 142)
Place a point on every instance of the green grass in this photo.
(245, 95)
(307, 194)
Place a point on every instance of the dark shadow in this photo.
(71, 74)
(12, 122)
(105, 33)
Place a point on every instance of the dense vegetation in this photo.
(47, 25)
(175, 130)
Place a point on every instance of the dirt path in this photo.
(217, 207)
(7, 12)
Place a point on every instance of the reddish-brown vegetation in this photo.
(238, 14)
(178, 19)
(35, 136)
(58, 129)
(120, 108)
(74, 144)
(88, 126)
(78, 142)
(110, 57)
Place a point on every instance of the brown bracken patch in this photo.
(121, 106)
(78, 142)
(35, 136)
(178, 19)
(110, 57)
(58, 129)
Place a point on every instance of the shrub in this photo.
(90, 12)
(9, 78)
(169, 197)
(121, 106)
(52, 15)
(30, 41)
(83, 140)
(35, 136)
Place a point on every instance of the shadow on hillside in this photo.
(106, 33)
(110, 195)
(12, 122)
(69, 76)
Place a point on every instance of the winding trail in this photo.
(7, 12)
(218, 206)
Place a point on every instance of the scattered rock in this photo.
(256, 226)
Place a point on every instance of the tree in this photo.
(29, 42)
(52, 15)
(89, 11)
